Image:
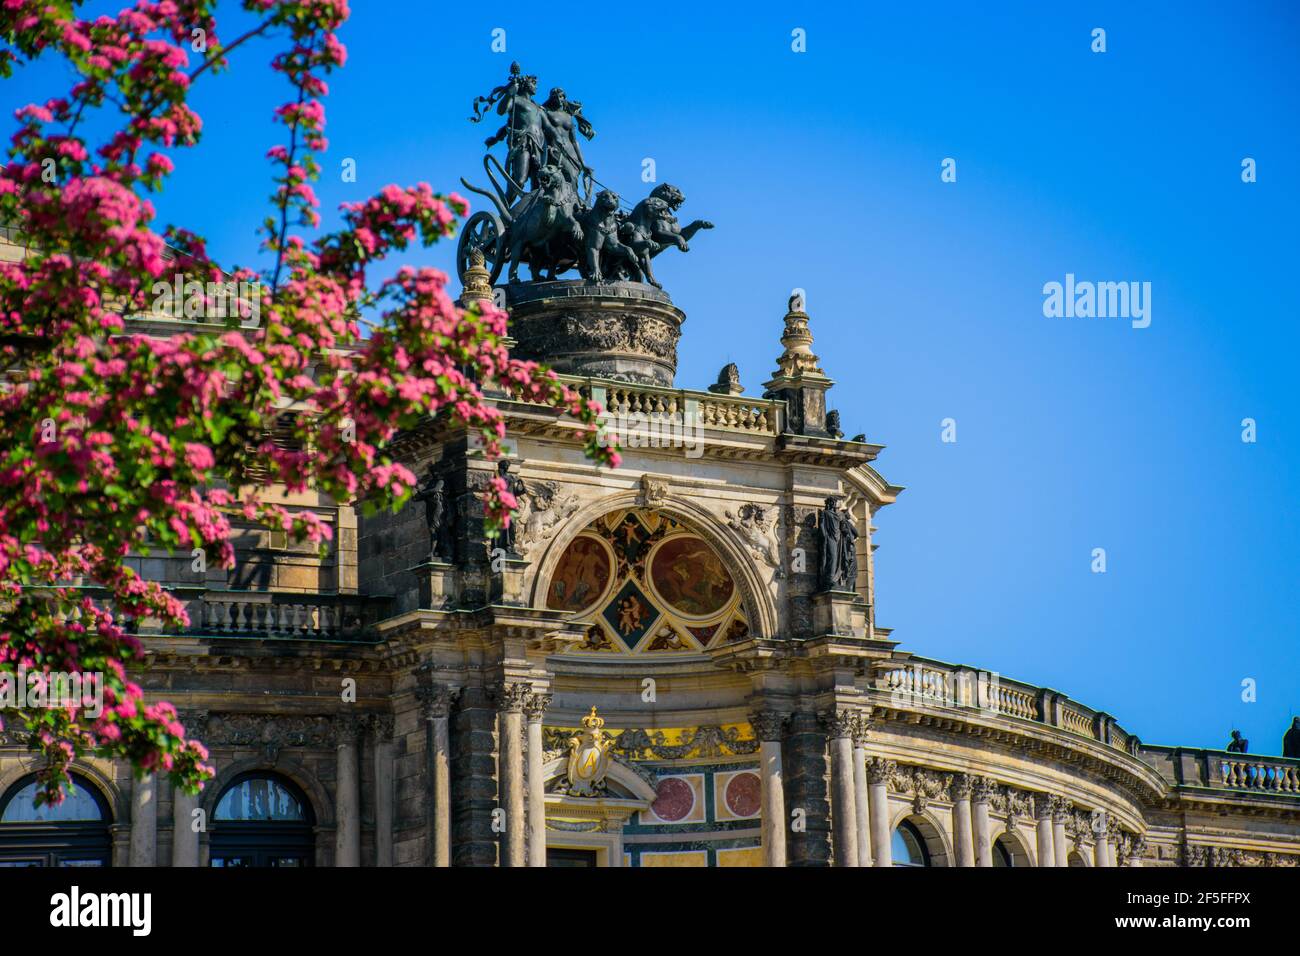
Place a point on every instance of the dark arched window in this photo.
(908, 846)
(73, 833)
(1002, 853)
(262, 819)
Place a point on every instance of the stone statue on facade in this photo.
(833, 424)
(728, 382)
(1238, 744)
(437, 516)
(1291, 740)
(544, 214)
(525, 132)
(515, 485)
(839, 544)
(838, 568)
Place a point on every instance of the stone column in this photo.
(144, 821)
(769, 727)
(879, 771)
(535, 709)
(1136, 850)
(347, 793)
(1043, 814)
(1101, 853)
(510, 770)
(435, 706)
(185, 839)
(981, 791)
(963, 835)
(844, 814)
(381, 726)
(803, 764)
(861, 796)
(1060, 846)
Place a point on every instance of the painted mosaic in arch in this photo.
(646, 584)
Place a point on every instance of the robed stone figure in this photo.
(1238, 744)
(1291, 740)
(437, 516)
(839, 548)
(515, 485)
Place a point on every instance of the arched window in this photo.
(262, 820)
(1075, 859)
(908, 848)
(1002, 853)
(74, 833)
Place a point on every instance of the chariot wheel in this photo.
(483, 231)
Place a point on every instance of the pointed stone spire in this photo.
(799, 378)
(475, 281)
(798, 359)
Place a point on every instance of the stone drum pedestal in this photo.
(626, 331)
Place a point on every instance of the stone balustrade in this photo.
(654, 404)
(261, 614)
(1219, 769)
(324, 617)
(921, 682)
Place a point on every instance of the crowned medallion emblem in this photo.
(589, 751)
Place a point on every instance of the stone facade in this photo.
(427, 711)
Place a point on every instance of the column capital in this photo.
(512, 696)
(1062, 810)
(769, 725)
(348, 728)
(982, 788)
(839, 721)
(536, 705)
(960, 787)
(879, 770)
(1043, 806)
(380, 726)
(862, 728)
(435, 699)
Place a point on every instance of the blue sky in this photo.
(822, 171)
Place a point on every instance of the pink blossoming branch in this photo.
(116, 442)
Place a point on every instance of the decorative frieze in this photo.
(687, 744)
(922, 784)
